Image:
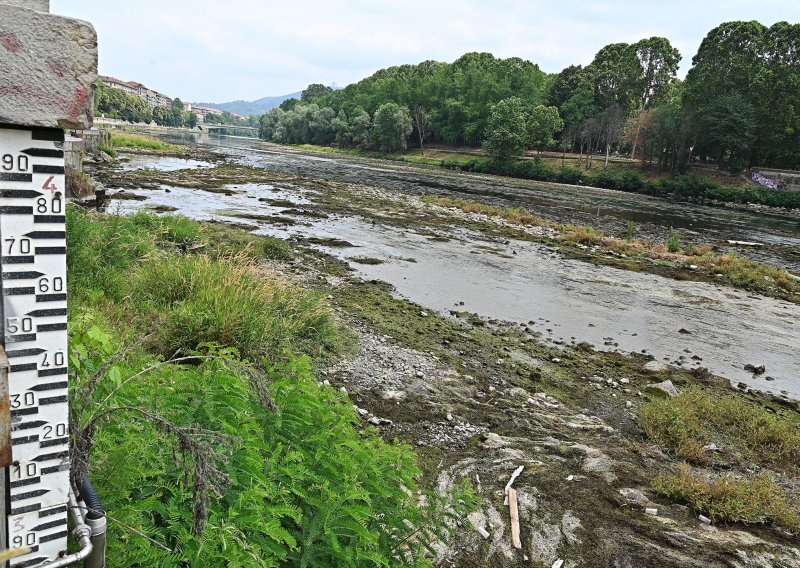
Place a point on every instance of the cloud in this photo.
(215, 51)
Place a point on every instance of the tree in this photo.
(314, 91)
(360, 126)
(289, 104)
(191, 121)
(391, 127)
(421, 123)
(730, 126)
(543, 123)
(611, 125)
(616, 75)
(507, 130)
(341, 130)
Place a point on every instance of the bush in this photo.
(605, 178)
(630, 180)
(569, 175)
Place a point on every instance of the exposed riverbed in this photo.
(567, 301)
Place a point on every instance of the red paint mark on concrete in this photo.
(10, 42)
(79, 103)
(57, 67)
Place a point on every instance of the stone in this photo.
(663, 388)
(633, 497)
(651, 511)
(654, 366)
(363, 411)
(49, 67)
(375, 421)
(755, 369)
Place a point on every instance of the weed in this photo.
(130, 140)
(728, 498)
(673, 242)
(744, 430)
(629, 231)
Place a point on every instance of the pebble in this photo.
(628, 404)
(556, 360)
(363, 411)
(326, 382)
(449, 417)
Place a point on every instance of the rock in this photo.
(423, 314)
(755, 369)
(628, 404)
(664, 388)
(556, 360)
(342, 390)
(558, 563)
(624, 381)
(449, 417)
(684, 331)
(326, 382)
(375, 421)
(634, 498)
(393, 395)
(363, 411)
(651, 511)
(492, 441)
(703, 519)
(654, 366)
(420, 375)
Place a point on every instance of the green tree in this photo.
(391, 127)
(729, 125)
(507, 131)
(341, 130)
(191, 120)
(360, 126)
(543, 123)
(616, 76)
(314, 91)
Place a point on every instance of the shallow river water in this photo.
(686, 323)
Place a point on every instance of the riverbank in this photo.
(479, 396)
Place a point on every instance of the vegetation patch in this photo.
(121, 139)
(742, 431)
(257, 463)
(366, 260)
(727, 498)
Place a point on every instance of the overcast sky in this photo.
(221, 50)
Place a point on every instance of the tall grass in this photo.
(194, 300)
(131, 140)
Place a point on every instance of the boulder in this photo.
(664, 388)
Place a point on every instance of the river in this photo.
(684, 323)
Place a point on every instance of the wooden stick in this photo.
(512, 507)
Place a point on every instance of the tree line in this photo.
(116, 103)
(738, 107)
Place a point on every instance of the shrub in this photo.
(629, 231)
(569, 175)
(249, 469)
(630, 180)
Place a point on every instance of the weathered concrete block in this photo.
(38, 5)
(48, 66)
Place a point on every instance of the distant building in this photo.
(151, 97)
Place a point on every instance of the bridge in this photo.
(220, 128)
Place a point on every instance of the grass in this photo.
(738, 272)
(131, 140)
(219, 294)
(193, 300)
(727, 498)
(744, 430)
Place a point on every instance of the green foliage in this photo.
(116, 103)
(255, 464)
(744, 431)
(673, 242)
(507, 131)
(194, 300)
(131, 140)
(543, 123)
(629, 231)
(391, 127)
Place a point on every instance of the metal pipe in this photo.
(95, 517)
(82, 533)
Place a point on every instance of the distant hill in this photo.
(247, 108)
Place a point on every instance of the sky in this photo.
(223, 50)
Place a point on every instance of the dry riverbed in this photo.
(480, 391)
